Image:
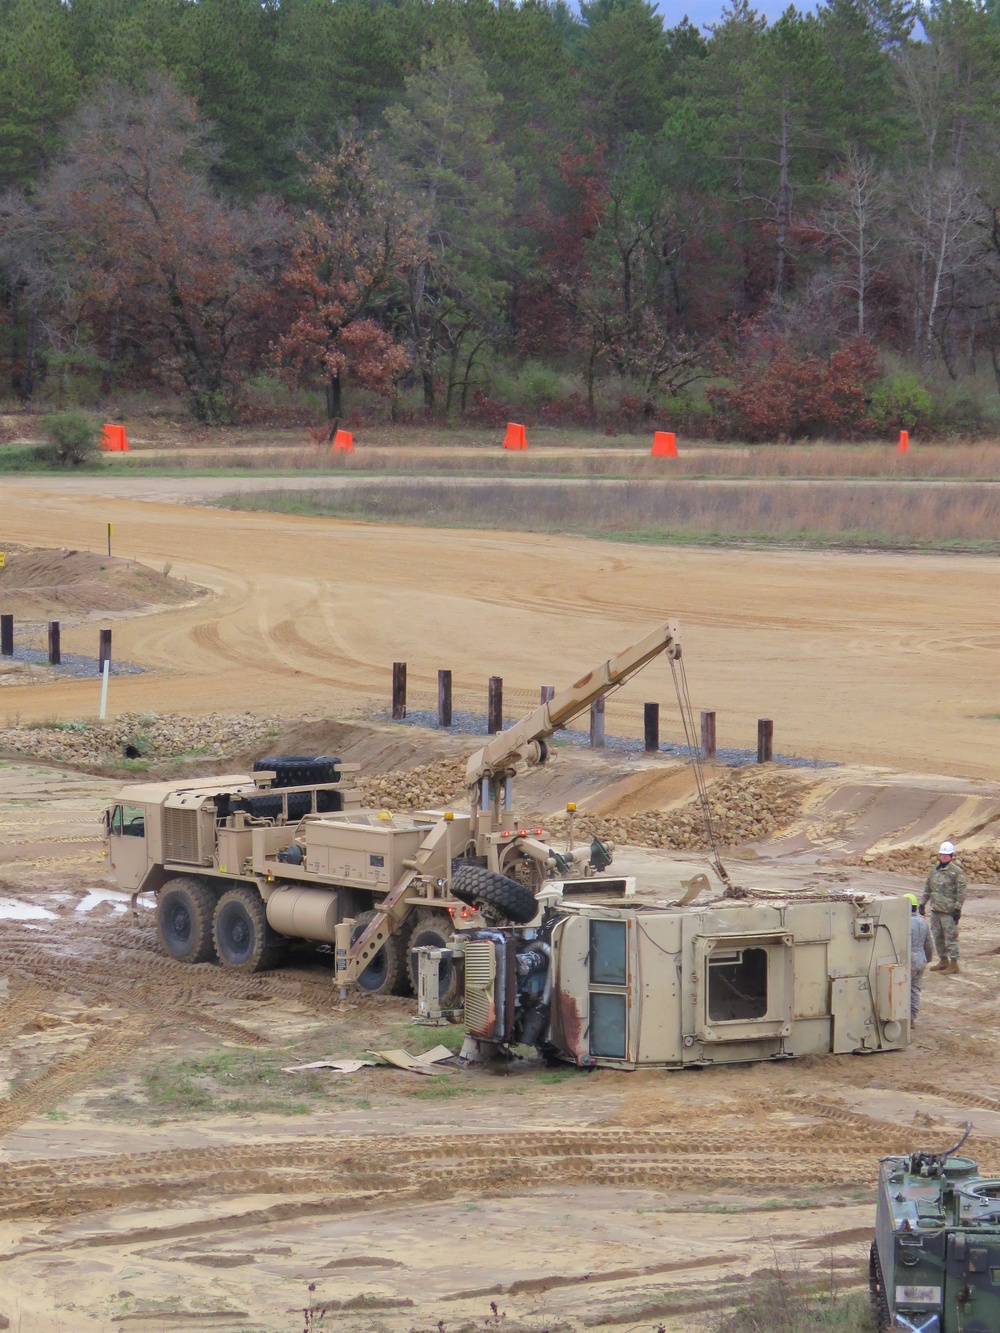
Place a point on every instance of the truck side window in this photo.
(737, 985)
(116, 821)
(608, 1008)
(134, 821)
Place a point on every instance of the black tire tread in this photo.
(397, 978)
(477, 886)
(264, 956)
(201, 905)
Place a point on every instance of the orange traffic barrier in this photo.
(113, 440)
(515, 437)
(664, 444)
(904, 442)
(343, 442)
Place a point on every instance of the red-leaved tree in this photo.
(349, 246)
(777, 395)
(153, 252)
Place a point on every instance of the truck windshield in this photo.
(134, 821)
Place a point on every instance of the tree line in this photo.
(766, 228)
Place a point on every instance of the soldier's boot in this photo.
(952, 967)
(940, 966)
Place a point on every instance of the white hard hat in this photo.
(946, 849)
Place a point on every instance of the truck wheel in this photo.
(241, 931)
(184, 908)
(386, 972)
(480, 887)
(433, 931)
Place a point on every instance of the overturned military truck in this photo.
(598, 977)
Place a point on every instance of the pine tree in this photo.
(38, 88)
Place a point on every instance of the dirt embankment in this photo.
(39, 583)
(746, 806)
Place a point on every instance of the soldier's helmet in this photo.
(946, 849)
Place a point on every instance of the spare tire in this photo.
(480, 887)
(299, 770)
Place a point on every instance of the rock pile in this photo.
(746, 806)
(144, 737)
(426, 786)
(983, 864)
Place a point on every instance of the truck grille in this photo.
(180, 835)
(480, 972)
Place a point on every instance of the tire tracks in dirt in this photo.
(366, 1171)
(105, 1050)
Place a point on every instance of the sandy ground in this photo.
(878, 659)
(160, 1172)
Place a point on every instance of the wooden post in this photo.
(597, 724)
(708, 735)
(651, 727)
(55, 657)
(546, 693)
(444, 698)
(6, 636)
(104, 652)
(765, 740)
(398, 691)
(494, 706)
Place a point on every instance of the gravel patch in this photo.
(474, 724)
(72, 664)
(141, 738)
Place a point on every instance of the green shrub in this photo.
(901, 403)
(23, 457)
(538, 383)
(72, 438)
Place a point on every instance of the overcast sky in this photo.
(701, 12)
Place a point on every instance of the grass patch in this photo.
(574, 454)
(780, 1304)
(955, 518)
(440, 1087)
(192, 1086)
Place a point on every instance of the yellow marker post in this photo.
(110, 530)
(3, 557)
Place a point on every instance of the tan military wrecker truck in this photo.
(242, 865)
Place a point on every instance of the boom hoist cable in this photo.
(683, 693)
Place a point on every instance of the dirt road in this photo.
(880, 659)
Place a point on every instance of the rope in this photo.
(694, 752)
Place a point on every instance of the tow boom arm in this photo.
(524, 743)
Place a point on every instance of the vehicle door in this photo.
(127, 844)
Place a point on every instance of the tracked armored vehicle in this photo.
(935, 1259)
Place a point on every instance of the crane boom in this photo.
(524, 743)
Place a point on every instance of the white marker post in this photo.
(104, 688)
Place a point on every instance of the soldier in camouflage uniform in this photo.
(945, 891)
